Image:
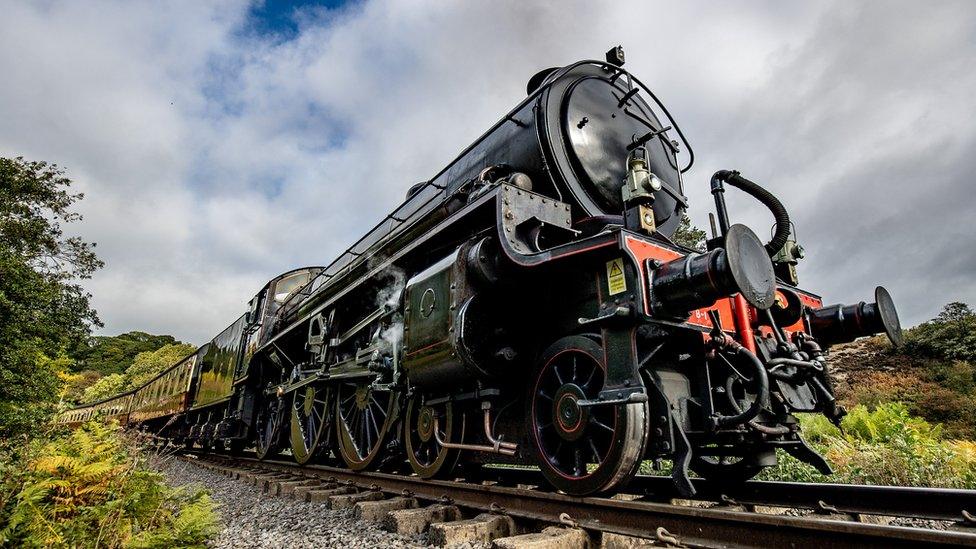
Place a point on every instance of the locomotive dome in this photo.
(593, 114)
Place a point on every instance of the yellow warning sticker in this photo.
(616, 282)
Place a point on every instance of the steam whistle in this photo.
(638, 193)
(845, 323)
(695, 281)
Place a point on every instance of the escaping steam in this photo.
(392, 282)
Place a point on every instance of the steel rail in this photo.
(922, 503)
(897, 501)
(692, 526)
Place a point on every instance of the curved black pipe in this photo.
(762, 392)
(782, 217)
(778, 430)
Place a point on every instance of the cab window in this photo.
(289, 285)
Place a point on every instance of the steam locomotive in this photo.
(528, 305)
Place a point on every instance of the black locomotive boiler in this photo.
(527, 305)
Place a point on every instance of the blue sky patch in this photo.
(278, 17)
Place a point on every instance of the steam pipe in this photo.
(496, 443)
(497, 446)
(779, 212)
(778, 430)
(777, 363)
(718, 192)
(762, 381)
(743, 325)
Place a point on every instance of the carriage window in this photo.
(289, 285)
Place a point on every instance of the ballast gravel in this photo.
(253, 519)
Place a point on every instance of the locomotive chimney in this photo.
(697, 280)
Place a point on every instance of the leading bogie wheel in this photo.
(311, 430)
(724, 469)
(363, 418)
(426, 428)
(582, 450)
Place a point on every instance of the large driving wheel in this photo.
(582, 450)
(311, 422)
(425, 428)
(363, 417)
(268, 427)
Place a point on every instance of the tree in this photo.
(104, 388)
(105, 355)
(689, 235)
(113, 354)
(954, 312)
(951, 335)
(76, 383)
(43, 310)
(146, 365)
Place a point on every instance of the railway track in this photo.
(507, 502)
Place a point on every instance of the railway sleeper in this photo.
(286, 488)
(350, 500)
(377, 511)
(445, 524)
(267, 484)
(416, 521)
(254, 479)
(300, 493)
(553, 537)
(484, 528)
(323, 496)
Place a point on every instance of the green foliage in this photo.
(119, 363)
(113, 354)
(104, 388)
(884, 446)
(931, 374)
(950, 336)
(43, 311)
(91, 488)
(934, 402)
(75, 383)
(147, 364)
(144, 367)
(689, 235)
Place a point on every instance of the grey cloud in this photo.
(867, 132)
(214, 159)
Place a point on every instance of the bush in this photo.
(932, 401)
(105, 387)
(90, 488)
(934, 374)
(886, 446)
(950, 336)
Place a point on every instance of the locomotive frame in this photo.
(527, 305)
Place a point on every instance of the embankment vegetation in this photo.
(94, 487)
(91, 487)
(912, 419)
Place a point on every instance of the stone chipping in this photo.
(252, 519)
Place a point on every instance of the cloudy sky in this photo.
(221, 143)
